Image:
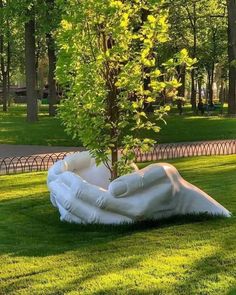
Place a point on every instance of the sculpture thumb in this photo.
(128, 184)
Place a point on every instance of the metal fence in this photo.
(160, 152)
(11, 165)
(190, 149)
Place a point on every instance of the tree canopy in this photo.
(108, 60)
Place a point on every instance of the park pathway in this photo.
(8, 150)
(23, 158)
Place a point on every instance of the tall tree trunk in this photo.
(3, 66)
(51, 75)
(200, 90)
(4, 75)
(8, 73)
(8, 61)
(212, 83)
(193, 90)
(182, 77)
(210, 74)
(37, 56)
(231, 4)
(193, 76)
(222, 91)
(4, 90)
(32, 107)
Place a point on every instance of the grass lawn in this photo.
(48, 131)
(194, 128)
(14, 129)
(41, 255)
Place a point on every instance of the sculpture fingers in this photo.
(93, 198)
(82, 190)
(53, 199)
(128, 184)
(74, 163)
(77, 197)
(78, 161)
(55, 171)
(64, 214)
(154, 202)
(90, 214)
(67, 216)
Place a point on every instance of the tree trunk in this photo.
(193, 91)
(210, 74)
(193, 86)
(182, 77)
(3, 67)
(200, 90)
(222, 91)
(231, 4)
(8, 73)
(32, 107)
(4, 90)
(52, 98)
(4, 77)
(113, 115)
(110, 76)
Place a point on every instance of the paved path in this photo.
(7, 150)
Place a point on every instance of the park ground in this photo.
(49, 131)
(194, 255)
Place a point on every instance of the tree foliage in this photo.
(108, 62)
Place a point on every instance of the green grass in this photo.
(41, 255)
(195, 128)
(48, 131)
(14, 129)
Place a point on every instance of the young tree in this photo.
(108, 64)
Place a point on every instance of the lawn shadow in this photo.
(207, 272)
(31, 227)
(232, 292)
(198, 278)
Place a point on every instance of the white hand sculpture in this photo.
(83, 194)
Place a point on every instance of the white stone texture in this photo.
(83, 193)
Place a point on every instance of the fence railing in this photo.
(11, 165)
(160, 152)
(190, 149)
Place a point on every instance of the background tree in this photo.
(30, 65)
(231, 5)
(4, 52)
(200, 27)
(50, 16)
(41, 19)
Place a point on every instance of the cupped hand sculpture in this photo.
(83, 193)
